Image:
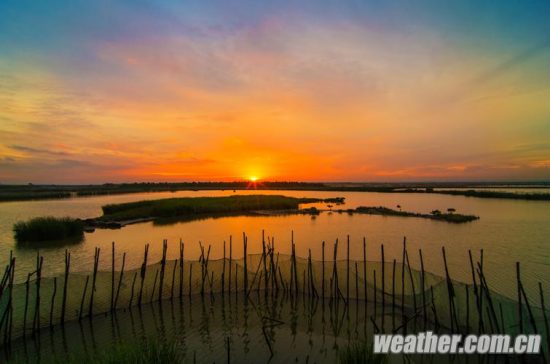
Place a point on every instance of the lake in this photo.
(508, 231)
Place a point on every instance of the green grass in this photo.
(187, 206)
(435, 215)
(359, 353)
(49, 228)
(149, 351)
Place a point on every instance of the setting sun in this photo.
(253, 178)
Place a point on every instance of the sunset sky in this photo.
(116, 91)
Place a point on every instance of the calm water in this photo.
(508, 231)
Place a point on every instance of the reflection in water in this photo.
(259, 329)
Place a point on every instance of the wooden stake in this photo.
(112, 276)
(230, 263)
(26, 304)
(347, 271)
(96, 264)
(162, 268)
(245, 266)
(393, 295)
(173, 279)
(181, 268)
(323, 271)
(365, 270)
(132, 292)
(543, 308)
(83, 297)
(143, 271)
(65, 284)
(120, 280)
(53, 302)
(39, 262)
(423, 288)
(223, 271)
(520, 310)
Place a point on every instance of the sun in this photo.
(253, 178)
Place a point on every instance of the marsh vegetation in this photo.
(46, 229)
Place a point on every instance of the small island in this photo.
(115, 216)
(450, 216)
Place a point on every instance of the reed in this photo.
(44, 229)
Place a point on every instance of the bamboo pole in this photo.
(365, 270)
(450, 290)
(356, 283)
(375, 293)
(94, 276)
(173, 279)
(347, 271)
(53, 302)
(162, 268)
(112, 276)
(223, 271)
(529, 311)
(393, 295)
(468, 308)
(245, 243)
(182, 247)
(383, 285)
(423, 288)
(132, 292)
(154, 285)
(27, 282)
(403, 281)
(265, 263)
(120, 279)
(39, 262)
(190, 278)
(230, 263)
(412, 280)
(543, 307)
(476, 294)
(65, 285)
(436, 320)
(485, 287)
(520, 310)
(143, 271)
(83, 297)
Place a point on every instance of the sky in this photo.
(133, 90)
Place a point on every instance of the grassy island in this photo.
(48, 228)
(189, 206)
(435, 215)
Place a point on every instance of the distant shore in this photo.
(44, 192)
